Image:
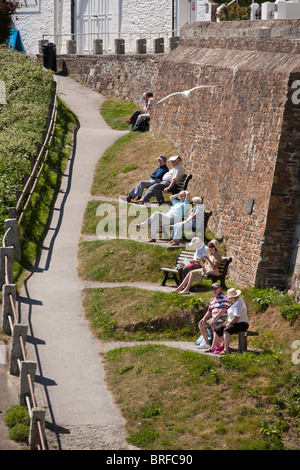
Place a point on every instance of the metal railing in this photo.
(11, 325)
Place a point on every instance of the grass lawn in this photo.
(174, 399)
(181, 400)
(128, 313)
(123, 260)
(131, 159)
(116, 112)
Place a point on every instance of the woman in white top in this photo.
(237, 321)
(195, 218)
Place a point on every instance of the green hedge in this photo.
(27, 87)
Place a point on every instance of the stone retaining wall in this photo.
(124, 76)
(240, 140)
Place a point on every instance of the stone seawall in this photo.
(240, 140)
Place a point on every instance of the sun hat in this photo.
(231, 293)
(174, 157)
(163, 158)
(195, 240)
(215, 243)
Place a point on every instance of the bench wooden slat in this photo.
(182, 185)
(174, 273)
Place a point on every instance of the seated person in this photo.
(169, 180)
(200, 253)
(156, 177)
(210, 266)
(175, 213)
(216, 314)
(237, 321)
(148, 98)
(195, 219)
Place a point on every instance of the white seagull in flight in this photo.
(186, 93)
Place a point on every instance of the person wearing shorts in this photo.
(237, 321)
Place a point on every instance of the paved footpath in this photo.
(70, 382)
(81, 412)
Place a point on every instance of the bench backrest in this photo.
(223, 268)
(189, 255)
(182, 256)
(182, 185)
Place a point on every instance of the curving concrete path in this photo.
(81, 411)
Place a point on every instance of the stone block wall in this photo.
(240, 140)
(123, 76)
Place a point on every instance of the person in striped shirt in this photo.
(215, 315)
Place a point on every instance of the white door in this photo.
(94, 22)
(186, 12)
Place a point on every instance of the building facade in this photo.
(85, 20)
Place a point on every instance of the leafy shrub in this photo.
(290, 312)
(22, 120)
(20, 433)
(17, 419)
(263, 298)
(7, 9)
(17, 415)
(234, 12)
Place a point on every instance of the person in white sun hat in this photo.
(237, 321)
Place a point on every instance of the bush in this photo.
(7, 9)
(17, 419)
(22, 120)
(17, 415)
(290, 312)
(234, 12)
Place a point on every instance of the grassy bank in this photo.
(36, 220)
(174, 399)
(180, 400)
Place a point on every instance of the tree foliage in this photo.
(234, 12)
(7, 9)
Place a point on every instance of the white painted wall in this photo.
(126, 19)
(50, 18)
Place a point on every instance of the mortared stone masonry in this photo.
(240, 139)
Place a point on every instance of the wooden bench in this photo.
(207, 215)
(242, 336)
(176, 272)
(223, 268)
(182, 185)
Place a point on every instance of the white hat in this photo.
(173, 158)
(215, 243)
(231, 293)
(195, 240)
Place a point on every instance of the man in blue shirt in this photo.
(156, 177)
